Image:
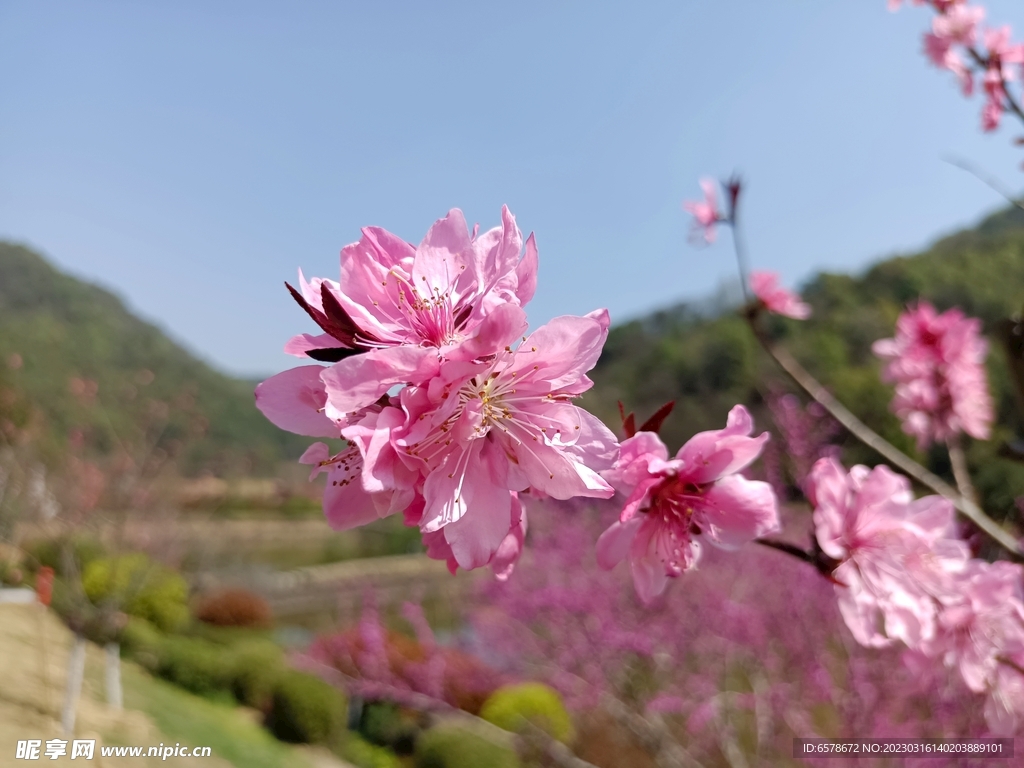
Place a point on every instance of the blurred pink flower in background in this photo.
(959, 24)
(904, 575)
(981, 621)
(705, 213)
(765, 286)
(937, 364)
(673, 504)
(953, 44)
(895, 553)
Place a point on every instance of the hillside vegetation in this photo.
(708, 365)
(74, 360)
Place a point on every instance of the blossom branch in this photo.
(876, 442)
(985, 62)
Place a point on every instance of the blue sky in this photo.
(192, 155)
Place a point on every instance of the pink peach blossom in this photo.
(896, 554)
(765, 286)
(672, 505)
(481, 430)
(505, 557)
(705, 213)
(397, 308)
(981, 620)
(959, 24)
(937, 364)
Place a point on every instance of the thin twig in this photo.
(789, 549)
(987, 179)
(741, 252)
(821, 562)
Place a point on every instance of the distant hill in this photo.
(59, 334)
(709, 364)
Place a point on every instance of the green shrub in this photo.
(256, 666)
(141, 587)
(50, 552)
(388, 725)
(363, 754)
(449, 746)
(305, 710)
(196, 665)
(509, 706)
(141, 641)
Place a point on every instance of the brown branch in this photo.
(960, 472)
(985, 62)
(877, 443)
(1010, 663)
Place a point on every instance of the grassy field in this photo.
(34, 647)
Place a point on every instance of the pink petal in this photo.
(647, 563)
(504, 258)
(439, 549)
(299, 345)
(635, 456)
(613, 545)
(526, 272)
(294, 400)
(566, 348)
(740, 511)
(346, 504)
(382, 468)
(595, 444)
(359, 381)
(558, 473)
(477, 534)
(707, 456)
(636, 498)
(315, 455)
(441, 257)
(499, 328)
(511, 547)
(827, 490)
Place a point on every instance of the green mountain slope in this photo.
(708, 365)
(59, 334)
